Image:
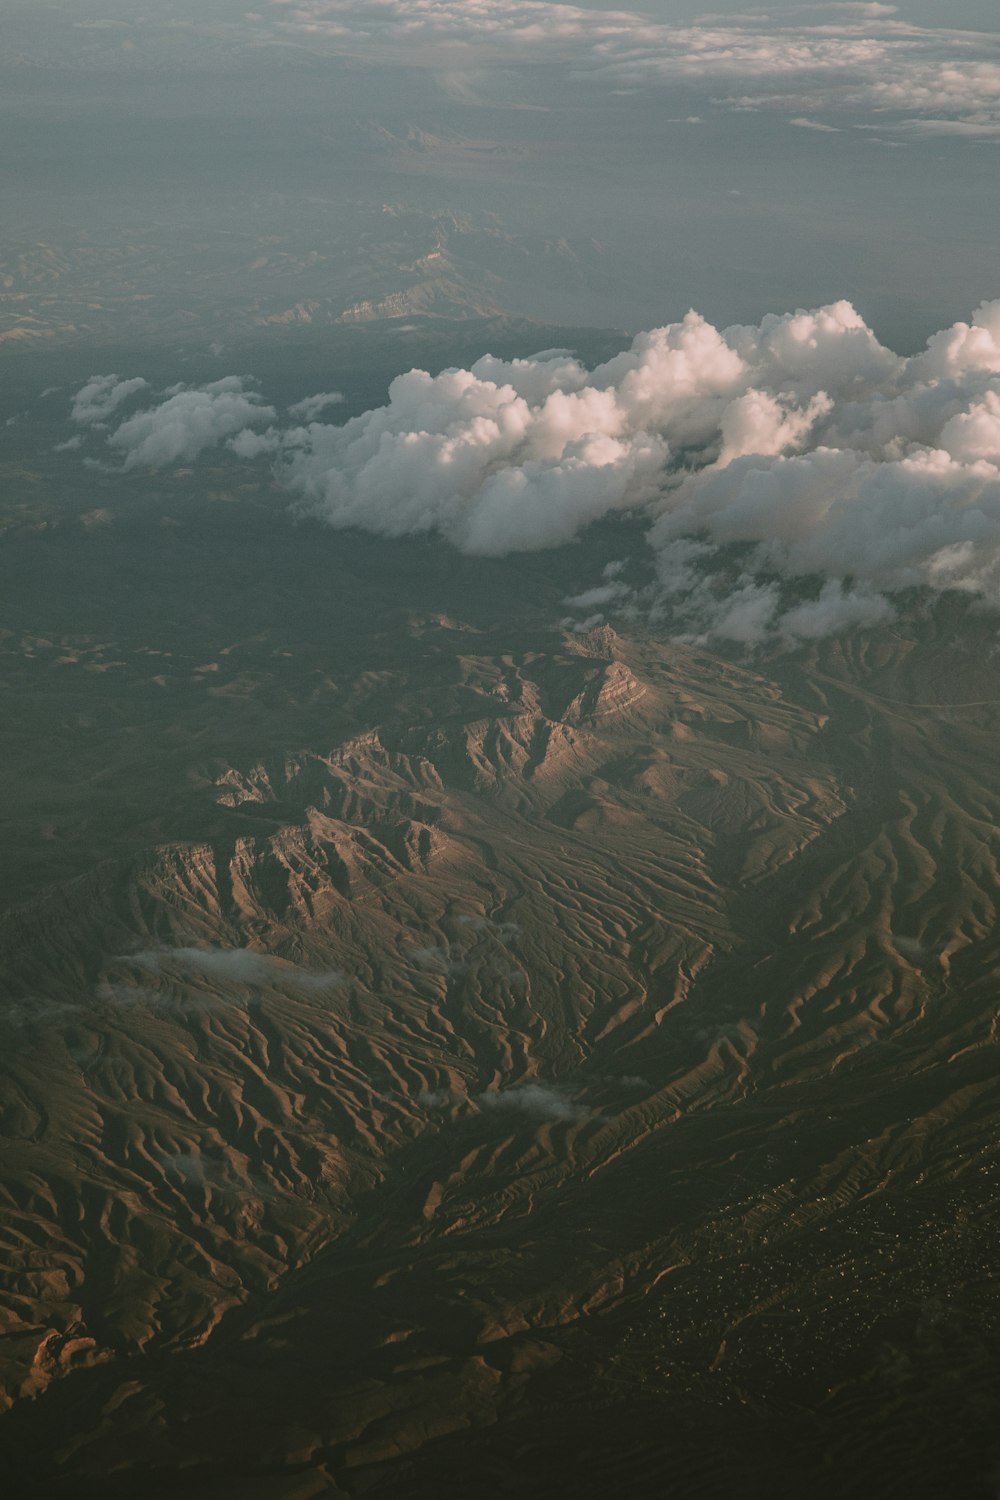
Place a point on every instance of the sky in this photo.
(791, 211)
(576, 164)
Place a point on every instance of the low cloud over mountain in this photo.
(802, 448)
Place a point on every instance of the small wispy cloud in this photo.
(102, 396)
(311, 407)
(805, 124)
(535, 1101)
(234, 965)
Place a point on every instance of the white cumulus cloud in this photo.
(803, 442)
(102, 396)
(795, 473)
(502, 457)
(186, 421)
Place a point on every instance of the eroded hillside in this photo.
(583, 1080)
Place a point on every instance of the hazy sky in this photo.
(208, 177)
(609, 166)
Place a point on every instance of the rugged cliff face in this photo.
(583, 1082)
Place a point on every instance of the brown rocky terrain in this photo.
(582, 1080)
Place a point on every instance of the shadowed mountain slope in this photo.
(584, 1081)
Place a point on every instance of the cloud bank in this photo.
(837, 58)
(800, 60)
(796, 474)
(802, 446)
